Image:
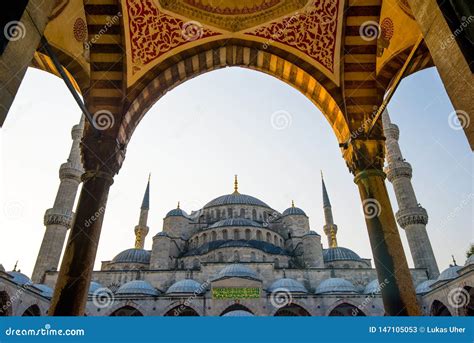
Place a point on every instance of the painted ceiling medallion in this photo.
(232, 15)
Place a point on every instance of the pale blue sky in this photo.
(203, 132)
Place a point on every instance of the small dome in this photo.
(312, 233)
(449, 273)
(335, 285)
(94, 287)
(20, 278)
(133, 256)
(235, 199)
(238, 313)
(237, 270)
(372, 287)
(469, 261)
(291, 285)
(177, 212)
(137, 287)
(424, 287)
(293, 211)
(235, 222)
(185, 286)
(340, 254)
(46, 291)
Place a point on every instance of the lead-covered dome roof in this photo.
(235, 222)
(424, 287)
(46, 291)
(449, 273)
(185, 286)
(372, 287)
(335, 285)
(288, 285)
(177, 212)
(237, 270)
(235, 199)
(133, 256)
(20, 278)
(293, 211)
(340, 254)
(137, 287)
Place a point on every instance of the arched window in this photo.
(214, 236)
(225, 236)
(204, 238)
(253, 257)
(196, 263)
(275, 240)
(247, 234)
(254, 214)
(236, 234)
(236, 256)
(269, 237)
(181, 311)
(127, 311)
(5, 306)
(259, 235)
(265, 216)
(292, 310)
(218, 214)
(242, 213)
(220, 257)
(230, 212)
(346, 310)
(281, 242)
(276, 262)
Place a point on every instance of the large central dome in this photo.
(235, 199)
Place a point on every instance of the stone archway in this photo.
(439, 309)
(32, 311)
(345, 310)
(126, 311)
(236, 307)
(292, 310)
(5, 304)
(181, 311)
(468, 308)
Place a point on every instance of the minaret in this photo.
(141, 230)
(330, 229)
(410, 216)
(59, 218)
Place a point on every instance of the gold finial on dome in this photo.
(236, 184)
(292, 203)
(178, 206)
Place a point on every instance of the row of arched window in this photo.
(234, 256)
(235, 234)
(225, 213)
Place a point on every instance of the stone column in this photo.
(58, 219)
(102, 158)
(365, 160)
(410, 216)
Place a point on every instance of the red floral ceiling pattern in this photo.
(153, 33)
(312, 31)
(264, 5)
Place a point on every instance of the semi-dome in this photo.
(237, 270)
(185, 286)
(372, 287)
(20, 278)
(424, 287)
(94, 287)
(289, 285)
(340, 254)
(177, 212)
(133, 256)
(469, 261)
(137, 287)
(235, 222)
(293, 211)
(46, 291)
(335, 285)
(449, 273)
(235, 199)
(238, 313)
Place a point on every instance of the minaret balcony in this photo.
(412, 216)
(70, 170)
(398, 169)
(392, 131)
(58, 216)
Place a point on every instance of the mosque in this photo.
(238, 256)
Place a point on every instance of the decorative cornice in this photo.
(411, 216)
(58, 216)
(398, 169)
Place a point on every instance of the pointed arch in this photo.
(346, 309)
(182, 311)
(292, 310)
(126, 311)
(5, 304)
(439, 309)
(32, 311)
(236, 307)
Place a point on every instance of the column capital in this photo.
(364, 154)
(102, 156)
